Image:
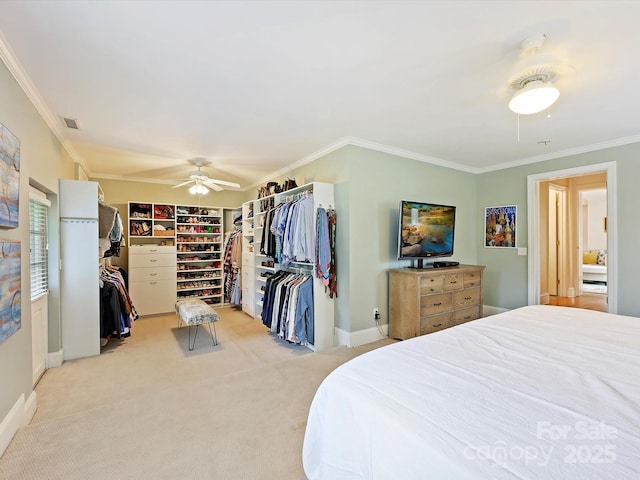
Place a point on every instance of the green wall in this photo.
(368, 187)
(379, 182)
(506, 273)
(42, 162)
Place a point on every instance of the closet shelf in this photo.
(198, 278)
(268, 269)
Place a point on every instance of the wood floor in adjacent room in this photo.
(590, 301)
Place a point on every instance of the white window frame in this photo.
(40, 274)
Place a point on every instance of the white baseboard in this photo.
(55, 359)
(20, 414)
(361, 337)
(488, 310)
(30, 407)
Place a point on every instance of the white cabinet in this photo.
(79, 278)
(152, 285)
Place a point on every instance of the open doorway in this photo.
(593, 240)
(557, 239)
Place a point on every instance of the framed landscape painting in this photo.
(10, 293)
(9, 178)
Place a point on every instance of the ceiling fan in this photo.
(201, 181)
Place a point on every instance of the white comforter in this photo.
(539, 392)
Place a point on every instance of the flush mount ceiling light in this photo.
(533, 84)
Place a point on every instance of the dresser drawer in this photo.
(137, 249)
(248, 259)
(453, 281)
(466, 298)
(143, 274)
(154, 296)
(431, 284)
(466, 315)
(247, 274)
(152, 260)
(436, 322)
(472, 279)
(432, 304)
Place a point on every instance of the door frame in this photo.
(533, 221)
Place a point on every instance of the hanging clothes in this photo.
(288, 306)
(288, 234)
(231, 266)
(326, 268)
(116, 308)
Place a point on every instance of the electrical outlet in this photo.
(376, 314)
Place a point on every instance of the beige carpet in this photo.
(147, 408)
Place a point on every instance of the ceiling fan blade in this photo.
(183, 184)
(222, 182)
(212, 185)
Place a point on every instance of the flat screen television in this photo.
(425, 230)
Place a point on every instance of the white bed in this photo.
(540, 392)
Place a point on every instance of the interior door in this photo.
(552, 259)
(39, 335)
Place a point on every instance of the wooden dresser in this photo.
(427, 300)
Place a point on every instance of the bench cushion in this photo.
(196, 312)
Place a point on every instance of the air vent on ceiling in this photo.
(71, 123)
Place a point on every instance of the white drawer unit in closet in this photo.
(152, 271)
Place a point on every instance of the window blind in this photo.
(38, 247)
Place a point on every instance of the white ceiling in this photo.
(256, 86)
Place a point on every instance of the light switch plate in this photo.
(522, 251)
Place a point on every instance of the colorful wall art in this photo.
(9, 289)
(9, 178)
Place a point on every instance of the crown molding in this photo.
(360, 142)
(15, 68)
(563, 153)
(380, 147)
(332, 147)
(107, 176)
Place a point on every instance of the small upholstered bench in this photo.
(197, 312)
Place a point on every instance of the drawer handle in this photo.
(467, 298)
(154, 260)
(153, 283)
(466, 317)
(153, 274)
(153, 250)
(437, 304)
(437, 325)
(453, 282)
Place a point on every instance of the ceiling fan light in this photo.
(534, 97)
(198, 189)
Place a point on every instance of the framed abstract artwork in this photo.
(500, 226)
(9, 178)
(10, 291)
